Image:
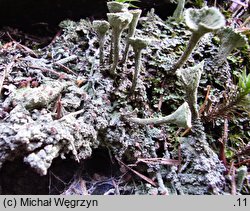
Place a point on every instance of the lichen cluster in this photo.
(113, 102)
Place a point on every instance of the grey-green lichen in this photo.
(138, 44)
(37, 97)
(200, 22)
(230, 39)
(190, 78)
(131, 31)
(241, 176)
(181, 117)
(42, 160)
(115, 7)
(99, 119)
(202, 171)
(44, 139)
(178, 13)
(101, 28)
(118, 22)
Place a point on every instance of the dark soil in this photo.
(42, 17)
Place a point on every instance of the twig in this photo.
(157, 161)
(203, 106)
(117, 191)
(2, 78)
(59, 107)
(66, 68)
(233, 182)
(137, 173)
(8, 45)
(49, 182)
(223, 141)
(43, 69)
(179, 157)
(215, 3)
(58, 178)
(244, 151)
(74, 151)
(55, 37)
(161, 96)
(240, 3)
(66, 60)
(245, 22)
(160, 103)
(83, 187)
(71, 114)
(242, 29)
(28, 50)
(186, 132)
(242, 162)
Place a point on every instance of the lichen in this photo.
(202, 171)
(115, 7)
(131, 32)
(181, 117)
(42, 160)
(190, 77)
(93, 107)
(178, 13)
(101, 28)
(230, 39)
(37, 97)
(200, 22)
(118, 22)
(28, 136)
(138, 44)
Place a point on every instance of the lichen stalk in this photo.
(230, 39)
(241, 176)
(178, 13)
(111, 49)
(181, 117)
(190, 78)
(115, 7)
(101, 28)
(116, 50)
(137, 44)
(194, 39)
(192, 102)
(200, 22)
(101, 50)
(118, 22)
(131, 32)
(138, 55)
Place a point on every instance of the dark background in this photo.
(25, 13)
